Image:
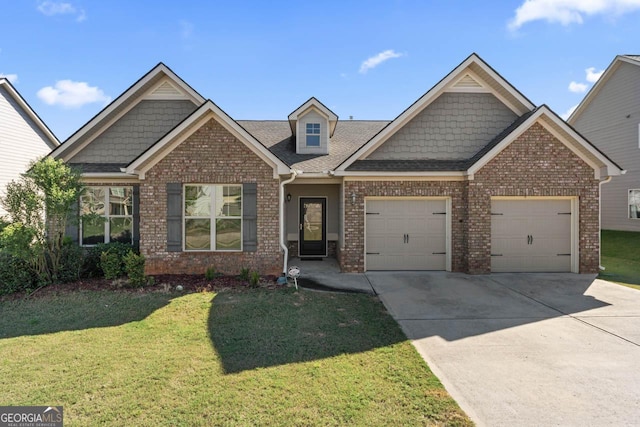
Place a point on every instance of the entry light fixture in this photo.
(288, 197)
(353, 198)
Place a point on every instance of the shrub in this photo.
(15, 274)
(134, 266)
(244, 274)
(210, 273)
(71, 262)
(91, 265)
(111, 264)
(254, 278)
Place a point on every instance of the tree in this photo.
(40, 204)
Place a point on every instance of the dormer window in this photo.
(313, 134)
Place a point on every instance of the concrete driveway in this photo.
(525, 349)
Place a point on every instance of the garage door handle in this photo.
(438, 253)
(373, 253)
(407, 238)
(563, 254)
(496, 255)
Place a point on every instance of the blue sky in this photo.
(261, 60)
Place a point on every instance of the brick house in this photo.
(472, 177)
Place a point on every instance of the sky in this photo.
(261, 60)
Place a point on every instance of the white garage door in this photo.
(406, 234)
(530, 235)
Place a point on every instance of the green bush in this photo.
(91, 265)
(111, 264)
(254, 278)
(15, 274)
(244, 274)
(134, 266)
(210, 273)
(71, 262)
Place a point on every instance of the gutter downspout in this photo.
(283, 243)
(600, 266)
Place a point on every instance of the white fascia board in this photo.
(604, 78)
(125, 97)
(32, 114)
(174, 138)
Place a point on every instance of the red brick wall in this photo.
(535, 164)
(210, 155)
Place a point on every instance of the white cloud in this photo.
(13, 78)
(186, 29)
(72, 94)
(51, 8)
(568, 113)
(593, 75)
(566, 12)
(576, 87)
(378, 59)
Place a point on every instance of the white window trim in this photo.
(107, 215)
(629, 204)
(307, 134)
(212, 217)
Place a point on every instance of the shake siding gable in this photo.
(211, 155)
(454, 126)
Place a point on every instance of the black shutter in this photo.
(249, 217)
(174, 217)
(72, 229)
(136, 217)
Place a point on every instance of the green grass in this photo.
(621, 257)
(233, 358)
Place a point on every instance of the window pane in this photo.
(197, 200)
(228, 234)
(313, 140)
(634, 204)
(120, 230)
(120, 201)
(197, 234)
(92, 201)
(93, 231)
(316, 128)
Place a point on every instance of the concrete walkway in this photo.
(524, 349)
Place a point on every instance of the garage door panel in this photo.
(531, 235)
(406, 234)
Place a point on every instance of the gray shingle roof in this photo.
(431, 165)
(348, 137)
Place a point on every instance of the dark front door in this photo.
(312, 226)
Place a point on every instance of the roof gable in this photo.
(601, 164)
(51, 139)
(160, 83)
(187, 127)
(313, 104)
(472, 75)
(606, 76)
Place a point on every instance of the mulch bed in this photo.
(162, 283)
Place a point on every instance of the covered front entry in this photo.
(406, 234)
(531, 235)
(313, 226)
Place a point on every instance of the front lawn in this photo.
(621, 257)
(255, 357)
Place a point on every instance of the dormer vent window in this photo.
(313, 134)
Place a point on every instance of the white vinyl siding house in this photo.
(609, 117)
(23, 136)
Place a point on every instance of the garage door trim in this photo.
(400, 198)
(575, 222)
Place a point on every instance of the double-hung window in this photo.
(634, 204)
(107, 215)
(212, 217)
(313, 134)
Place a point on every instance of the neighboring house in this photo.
(472, 177)
(609, 116)
(23, 136)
